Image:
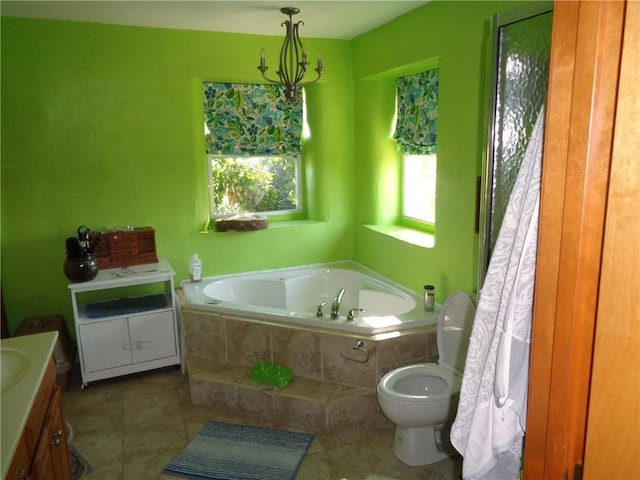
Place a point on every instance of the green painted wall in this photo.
(102, 126)
(450, 36)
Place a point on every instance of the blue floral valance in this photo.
(245, 119)
(417, 117)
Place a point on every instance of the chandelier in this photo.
(293, 59)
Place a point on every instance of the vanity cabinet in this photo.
(139, 334)
(51, 460)
(42, 452)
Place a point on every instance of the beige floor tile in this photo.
(96, 417)
(106, 472)
(156, 435)
(143, 408)
(100, 448)
(316, 466)
(131, 427)
(149, 467)
(75, 399)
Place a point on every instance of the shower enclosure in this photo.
(519, 46)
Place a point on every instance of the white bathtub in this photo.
(292, 296)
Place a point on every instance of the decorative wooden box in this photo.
(124, 248)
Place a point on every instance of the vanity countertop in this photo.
(23, 363)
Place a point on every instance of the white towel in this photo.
(489, 427)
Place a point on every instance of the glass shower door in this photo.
(518, 75)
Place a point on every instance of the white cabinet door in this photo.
(105, 344)
(152, 336)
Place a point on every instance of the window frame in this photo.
(274, 130)
(415, 131)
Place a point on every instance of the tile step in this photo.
(311, 405)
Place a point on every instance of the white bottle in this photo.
(195, 268)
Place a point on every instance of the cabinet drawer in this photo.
(123, 252)
(122, 241)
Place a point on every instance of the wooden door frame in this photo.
(583, 79)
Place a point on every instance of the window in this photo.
(253, 145)
(254, 184)
(419, 188)
(416, 132)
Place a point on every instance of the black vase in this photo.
(81, 269)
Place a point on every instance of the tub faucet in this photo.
(335, 306)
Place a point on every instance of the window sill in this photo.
(294, 223)
(404, 234)
(273, 225)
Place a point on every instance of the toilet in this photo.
(422, 399)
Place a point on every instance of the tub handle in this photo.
(319, 312)
(352, 311)
(359, 345)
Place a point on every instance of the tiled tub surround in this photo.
(328, 394)
(294, 295)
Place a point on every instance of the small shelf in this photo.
(139, 333)
(127, 276)
(84, 318)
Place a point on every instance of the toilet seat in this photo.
(454, 330)
(386, 386)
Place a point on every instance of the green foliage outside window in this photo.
(253, 184)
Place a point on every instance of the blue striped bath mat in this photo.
(224, 451)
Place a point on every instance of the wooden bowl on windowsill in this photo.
(243, 222)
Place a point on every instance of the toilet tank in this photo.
(454, 330)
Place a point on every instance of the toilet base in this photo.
(417, 446)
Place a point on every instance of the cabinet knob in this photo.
(56, 438)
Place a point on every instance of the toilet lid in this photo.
(454, 329)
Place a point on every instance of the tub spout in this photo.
(335, 306)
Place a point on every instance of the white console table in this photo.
(119, 341)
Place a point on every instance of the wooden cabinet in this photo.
(140, 334)
(20, 467)
(51, 461)
(126, 248)
(43, 452)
